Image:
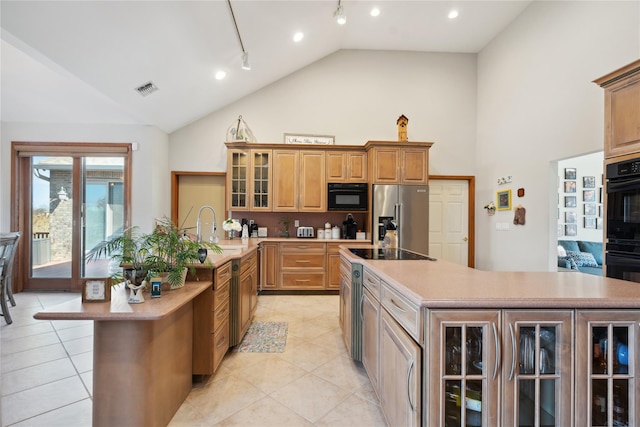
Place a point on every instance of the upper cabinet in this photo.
(299, 183)
(398, 163)
(350, 166)
(249, 180)
(622, 110)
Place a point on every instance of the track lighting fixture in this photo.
(245, 61)
(245, 54)
(341, 18)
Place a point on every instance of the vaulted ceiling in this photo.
(80, 61)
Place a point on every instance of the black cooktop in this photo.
(388, 254)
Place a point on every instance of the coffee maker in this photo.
(349, 227)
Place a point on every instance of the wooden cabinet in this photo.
(211, 320)
(475, 353)
(371, 327)
(607, 366)
(302, 266)
(249, 180)
(299, 181)
(248, 289)
(333, 266)
(269, 270)
(398, 164)
(348, 166)
(400, 374)
(622, 110)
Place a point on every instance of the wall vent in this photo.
(147, 89)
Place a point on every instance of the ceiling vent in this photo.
(147, 89)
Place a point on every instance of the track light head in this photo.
(245, 61)
(341, 18)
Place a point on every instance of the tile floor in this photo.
(46, 372)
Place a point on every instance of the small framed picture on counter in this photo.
(96, 290)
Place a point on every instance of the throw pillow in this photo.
(570, 262)
(583, 259)
(562, 252)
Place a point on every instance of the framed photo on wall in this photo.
(590, 209)
(570, 217)
(589, 181)
(570, 229)
(589, 195)
(504, 200)
(569, 186)
(589, 223)
(569, 173)
(570, 202)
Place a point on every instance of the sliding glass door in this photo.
(72, 203)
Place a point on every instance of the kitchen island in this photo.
(144, 354)
(519, 348)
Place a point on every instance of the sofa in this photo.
(580, 255)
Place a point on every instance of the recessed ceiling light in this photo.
(220, 75)
(375, 11)
(298, 36)
(453, 14)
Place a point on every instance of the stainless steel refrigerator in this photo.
(408, 207)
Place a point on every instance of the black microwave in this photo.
(347, 196)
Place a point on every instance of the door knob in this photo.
(465, 239)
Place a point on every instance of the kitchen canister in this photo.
(335, 232)
(320, 233)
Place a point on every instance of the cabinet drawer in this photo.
(221, 295)
(223, 274)
(220, 315)
(249, 262)
(220, 344)
(404, 311)
(302, 280)
(300, 246)
(302, 260)
(372, 282)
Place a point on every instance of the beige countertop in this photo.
(442, 284)
(119, 309)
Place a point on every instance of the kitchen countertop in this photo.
(442, 284)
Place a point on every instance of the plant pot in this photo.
(136, 277)
(491, 212)
(165, 281)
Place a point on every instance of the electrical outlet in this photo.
(296, 223)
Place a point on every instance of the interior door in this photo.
(449, 220)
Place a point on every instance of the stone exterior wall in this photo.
(61, 215)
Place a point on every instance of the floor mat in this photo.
(264, 337)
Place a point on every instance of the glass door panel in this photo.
(261, 180)
(239, 172)
(51, 216)
(102, 210)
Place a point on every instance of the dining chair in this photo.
(8, 246)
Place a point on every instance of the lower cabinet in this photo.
(333, 266)
(302, 266)
(370, 337)
(269, 271)
(345, 303)
(400, 374)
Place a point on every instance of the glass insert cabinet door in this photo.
(464, 370)
(261, 180)
(607, 367)
(537, 370)
(238, 181)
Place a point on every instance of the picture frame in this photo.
(589, 182)
(570, 201)
(301, 138)
(570, 230)
(569, 186)
(590, 209)
(590, 223)
(96, 290)
(589, 195)
(570, 217)
(503, 199)
(560, 230)
(569, 173)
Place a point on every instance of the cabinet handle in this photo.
(303, 261)
(220, 342)
(302, 280)
(498, 355)
(362, 306)
(409, 385)
(396, 306)
(513, 351)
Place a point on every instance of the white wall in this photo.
(357, 96)
(150, 178)
(536, 104)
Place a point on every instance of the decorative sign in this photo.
(298, 138)
(96, 290)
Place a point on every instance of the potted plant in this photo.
(166, 251)
(171, 251)
(491, 208)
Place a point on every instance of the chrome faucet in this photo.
(214, 238)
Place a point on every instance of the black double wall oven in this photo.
(623, 220)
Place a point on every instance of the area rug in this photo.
(264, 337)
